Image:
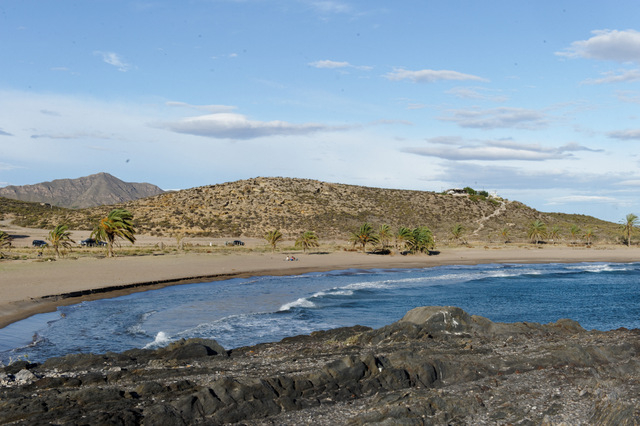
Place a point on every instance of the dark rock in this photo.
(438, 365)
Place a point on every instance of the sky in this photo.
(538, 102)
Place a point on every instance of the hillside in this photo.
(89, 191)
(250, 208)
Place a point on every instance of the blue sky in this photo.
(537, 101)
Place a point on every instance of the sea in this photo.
(246, 311)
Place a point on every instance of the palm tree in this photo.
(574, 231)
(364, 235)
(504, 233)
(60, 239)
(631, 223)
(117, 224)
(5, 241)
(537, 231)
(588, 235)
(384, 235)
(403, 236)
(457, 230)
(273, 237)
(421, 240)
(307, 240)
(554, 233)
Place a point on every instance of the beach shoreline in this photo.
(30, 287)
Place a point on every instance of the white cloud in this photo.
(114, 59)
(337, 64)
(519, 178)
(485, 153)
(453, 148)
(3, 133)
(330, 6)
(608, 45)
(624, 76)
(475, 93)
(71, 136)
(214, 109)
(630, 182)
(429, 76)
(7, 166)
(519, 118)
(329, 64)
(628, 96)
(238, 126)
(626, 135)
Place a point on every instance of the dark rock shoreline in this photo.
(438, 365)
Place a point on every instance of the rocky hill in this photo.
(89, 191)
(250, 208)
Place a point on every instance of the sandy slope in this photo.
(29, 287)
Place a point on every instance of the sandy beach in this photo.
(30, 287)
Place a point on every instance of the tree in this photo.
(5, 241)
(574, 231)
(384, 235)
(629, 225)
(363, 236)
(504, 233)
(273, 237)
(457, 230)
(421, 240)
(60, 239)
(307, 240)
(117, 224)
(554, 233)
(537, 231)
(403, 236)
(588, 235)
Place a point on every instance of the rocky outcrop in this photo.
(438, 365)
(89, 191)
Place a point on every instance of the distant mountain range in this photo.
(89, 191)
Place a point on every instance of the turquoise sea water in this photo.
(241, 312)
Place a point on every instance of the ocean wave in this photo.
(302, 302)
(162, 339)
(600, 267)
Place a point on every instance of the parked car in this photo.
(39, 243)
(90, 242)
(235, 243)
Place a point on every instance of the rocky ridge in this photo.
(438, 365)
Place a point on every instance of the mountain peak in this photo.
(89, 191)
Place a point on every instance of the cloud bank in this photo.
(429, 76)
(607, 45)
(238, 126)
(501, 150)
(518, 118)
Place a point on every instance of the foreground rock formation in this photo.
(438, 365)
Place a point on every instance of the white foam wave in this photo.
(302, 302)
(598, 267)
(160, 340)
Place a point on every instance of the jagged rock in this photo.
(438, 365)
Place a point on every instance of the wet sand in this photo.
(30, 287)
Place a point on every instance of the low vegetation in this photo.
(255, 208)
